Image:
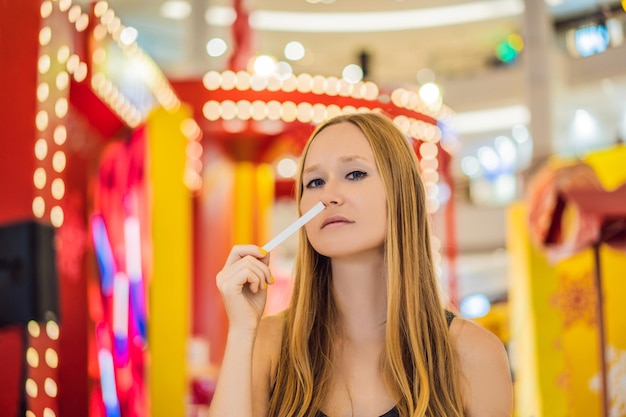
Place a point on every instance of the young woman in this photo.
(366, 334)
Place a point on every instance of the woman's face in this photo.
(340, 170)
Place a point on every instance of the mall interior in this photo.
(141, 139)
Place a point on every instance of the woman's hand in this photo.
(242, 283)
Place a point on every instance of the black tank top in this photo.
(394, 411)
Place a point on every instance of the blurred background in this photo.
(155, 134)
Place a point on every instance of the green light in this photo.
(505, 52)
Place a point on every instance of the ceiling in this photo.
(396, 55)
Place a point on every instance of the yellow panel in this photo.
(169, 289)
(538, 360)
(265, 201)
(244, 203)
(609, 165)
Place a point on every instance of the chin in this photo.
(341, 249)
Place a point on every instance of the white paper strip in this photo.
(291, 229)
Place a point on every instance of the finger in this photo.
(241, 251)
(248, 270)
(260, 270)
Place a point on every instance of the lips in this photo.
(335, 220)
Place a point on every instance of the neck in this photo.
(360, 288)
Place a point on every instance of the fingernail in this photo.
(262, 251)
(271, 279)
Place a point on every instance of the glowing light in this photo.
(43, 64)
(82, 22)
(64, 5)
(52, 330)
(283, 70)
(74, 13)
(470, 166)
(62, 80)
(57, 217)
(32, 357)
(305, 83)
(61, 107)
(287, 168)
(81, 72)
(488, 158)
(39, 207)
(428, 150)
(104, 254)
(107, 382)
(220, 16)
(507, 151)
(59, 161)
(194, 150)
(60, 135)
(175, 9)
(52, 358)
(352, 73)
(72, 63)
(31, 388)
(100, 8)
(41, 149)
(46, 9)
(416, 18)
(430, 93)
(264, 65)
(39, 178)
(50, 387)
(190, 128)
(57, 188)
(120, 316)
(45, 35)
(63, 54)
(520, 133)
(41, 120)
(128, 35)
(211, 110)
(475, 306)
(43, 91)
(216, 47)
(48, 412)
(294, 51)
(33, 328)
(132, 237)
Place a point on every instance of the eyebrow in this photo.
(343, 159)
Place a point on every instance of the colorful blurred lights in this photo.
(352, 73)
(107, 383)
(475, 306)
(129, 35)
(430, 93)
(216, 47)
(294, 51)
(470, 166)
(287, 168)
(175, 9)
(264, 65)
(489, 159)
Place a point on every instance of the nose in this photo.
(332, 194)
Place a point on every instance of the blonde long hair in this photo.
(418, 363)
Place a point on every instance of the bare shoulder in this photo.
(485, 372)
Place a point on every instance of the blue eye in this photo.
(315, 183)
(356, 175)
